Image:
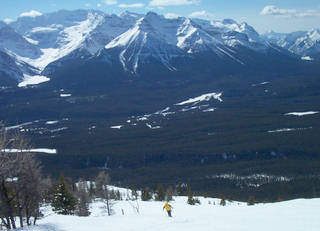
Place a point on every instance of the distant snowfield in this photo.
(32, 80)
(295, 215)
(65, 95)
(306, 58)
(288, 130)
(205, 97)
(116, 127)
(41, 150)
(302, 113)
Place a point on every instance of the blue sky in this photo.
(263, 15)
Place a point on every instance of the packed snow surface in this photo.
(32, 80)
(295, 215)
(302, 113)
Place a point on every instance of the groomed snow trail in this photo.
(295, 215)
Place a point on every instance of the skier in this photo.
(168, 207)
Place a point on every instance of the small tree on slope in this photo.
(63, 201)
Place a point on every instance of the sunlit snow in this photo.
(33, 80)
(302, 113)
(288, 130)
(41, 150)
(297, 215)
(205, 97)
(65, 95)
(116, 127)
(52, 122)
(307, 58)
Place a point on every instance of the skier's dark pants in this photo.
(169, 213)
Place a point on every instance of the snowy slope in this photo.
(297, 215)
(14, 43)
(59, 34)
(164, 39)
(144, 40)
(50, 39)
(303, 43)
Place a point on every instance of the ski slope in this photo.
(295, 215)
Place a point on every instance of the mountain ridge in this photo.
(133, 39)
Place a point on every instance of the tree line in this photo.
(23, 189)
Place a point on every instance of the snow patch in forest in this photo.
(41, 150)
(117, 127)
(288, 130)
(302, 113)
(205, 97)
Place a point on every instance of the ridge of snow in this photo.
(205, 97)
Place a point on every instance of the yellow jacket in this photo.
(167, 206)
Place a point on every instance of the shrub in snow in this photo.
(223, 201)
(146, 195)
(82, 208)
(191, 199)
(251, 200)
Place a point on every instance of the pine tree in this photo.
(251, 200)
(191, 199)
(134, 193)
(169, 194)
(146, 195)
(223, 201)
(190, 196)
(180, 188)
(160, 195)
(63, 201)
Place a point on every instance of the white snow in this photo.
(59, 129)
(295, 215)
(65, 95)
(117, 127)
(306, 58)
(288, 130)
(205, 97)
(33, 80)
(142, 118)
(209, 110)
(18, 126)
(52, 122)
(152, 127)
(302, 113)
(41, 150)
(70, 38)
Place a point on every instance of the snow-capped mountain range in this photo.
(30, 44)
(303, 43)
